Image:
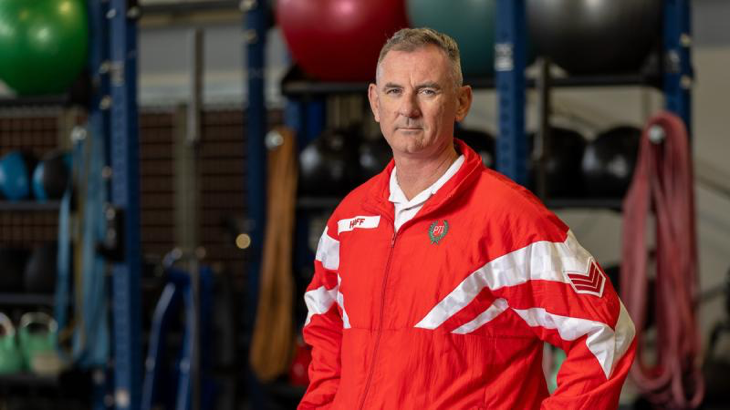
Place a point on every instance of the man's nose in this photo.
(409, 106)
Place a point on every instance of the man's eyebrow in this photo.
(391, 85)
(433, 85)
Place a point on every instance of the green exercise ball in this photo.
(43, 44)
(469, 22)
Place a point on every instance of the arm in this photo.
(323, 327)
(563, 295)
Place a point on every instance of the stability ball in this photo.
(469, 22)
(15, 169)
(562, 165)
(51, 176)
(339, 40)
(609, 162)
(329, 165)
(43, 44)
(481, 142)
(595, 36)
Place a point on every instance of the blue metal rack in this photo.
(124, 157)
(255, 26)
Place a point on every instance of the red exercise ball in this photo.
(339, 40)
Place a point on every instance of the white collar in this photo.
(398, 197)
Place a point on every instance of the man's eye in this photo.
(428, 91)
(392, 91)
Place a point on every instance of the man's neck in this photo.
(416, 174)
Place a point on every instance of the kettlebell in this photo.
(38, 332)
(10, 359)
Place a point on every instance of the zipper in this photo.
(380, 323)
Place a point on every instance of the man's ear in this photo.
(374, 101)
(464, 100)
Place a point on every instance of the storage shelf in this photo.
(614, 204)
(26, 299)
(298, 84)
(29, 205)
(27, 379)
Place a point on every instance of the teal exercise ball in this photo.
(43, 44)
(469, 22)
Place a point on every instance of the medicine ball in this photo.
(481, 142)
(15, 169)
(51, 176)
(329, 164)
(595, 36)
(42, 269)
(12, 265)
(374, 156)
(609, 162)
(339, 40)
(562, 165)
(43, 44)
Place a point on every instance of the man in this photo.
(438, 280)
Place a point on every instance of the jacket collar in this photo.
(377, 198)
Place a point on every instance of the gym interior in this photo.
(167, 168)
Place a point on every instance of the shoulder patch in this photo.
(591, 282)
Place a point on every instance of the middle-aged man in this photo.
(438, 280)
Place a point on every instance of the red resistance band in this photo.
(663, 186)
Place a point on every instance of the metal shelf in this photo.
(27, 379)
(614, 204)
(31, 206)
(78, 94)
(26, 299)
(297, 84)
(309, 203)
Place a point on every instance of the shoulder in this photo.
(513, 209)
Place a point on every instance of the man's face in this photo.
(416, 101)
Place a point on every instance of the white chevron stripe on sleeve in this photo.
(538, 261)
(328, 251)
(341, 302)
(496, 309)
(547, 261)
(607, 345)
(319, 301)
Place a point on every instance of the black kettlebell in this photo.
(609, 161)
(329, 164)
(42, 269)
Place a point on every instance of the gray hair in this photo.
(412, 39)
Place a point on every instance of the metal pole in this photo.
(124, 153)
(509, 66)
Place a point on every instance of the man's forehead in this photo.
(426, 63)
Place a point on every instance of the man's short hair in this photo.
(412, 39)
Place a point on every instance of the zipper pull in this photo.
(392, 240)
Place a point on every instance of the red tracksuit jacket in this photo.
(452, 310)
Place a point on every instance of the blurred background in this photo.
(167, 167)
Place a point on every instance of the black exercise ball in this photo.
(51, 176)
(374, 156)
(565, 149)
(609, 162)
(12, 264)
(595, 36)
(329, 164)
(42, 269)
(481, 142)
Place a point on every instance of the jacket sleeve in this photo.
(563, 295)
(323, 327)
